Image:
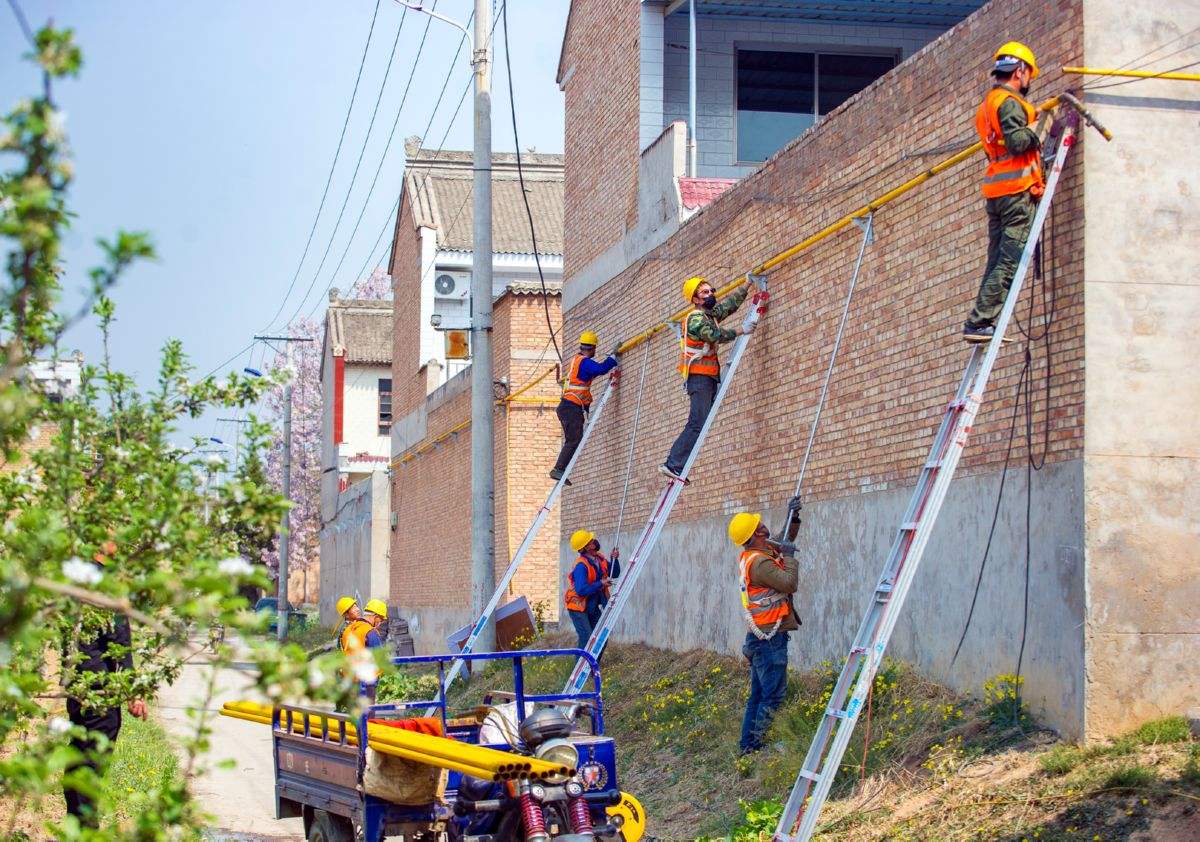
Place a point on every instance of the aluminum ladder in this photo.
(632, 569)
(502, 585)
(821, 765)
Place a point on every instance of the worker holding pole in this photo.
(1013, 181)
(767, 580)
(577, 397)
(588, 584)
(700, 334)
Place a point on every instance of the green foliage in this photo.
(143, 763)
(1131, 776)
(1170, 729)
(401, 686)
(1061, 759)
(1002, 701)
(1191, 769)
(759, 819)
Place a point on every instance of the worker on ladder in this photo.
(1013, 181)
(577, 397)
(767, 580)
(700, 334)
(588, 584)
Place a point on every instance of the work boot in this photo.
(670, 474)
(978, 333)
(556, 474)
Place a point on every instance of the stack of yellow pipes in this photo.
(477, 761)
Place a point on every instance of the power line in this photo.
(22, 22)
(537, 260)
(329, 179)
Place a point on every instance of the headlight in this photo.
(561, 753)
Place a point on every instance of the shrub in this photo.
(758, 819)
(1060, 759)
(1002, 700)
(1133, 776)
(400, 686)
(1170, 729)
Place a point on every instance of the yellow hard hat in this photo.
(377, 607)
(344, 604)
(742, 526)
(689, 287)
(630, 816)
(1018, 50)
(589, 337)
(580, 538)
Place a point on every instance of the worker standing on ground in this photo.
(767, 580)
(699, 365)
(1013, 181)
(102, 647)
(375, 613)
(354, 635)
(587, 585)
(577, 397)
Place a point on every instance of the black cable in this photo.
(329, 179)
(22, 22)
(353, 176)
(512, 103)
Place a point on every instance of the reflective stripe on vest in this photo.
(1007, 173)
(695, 355)
(575, 390)
(573, 600)
(764, 608)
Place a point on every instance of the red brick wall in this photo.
(601, 133)
(408, 390)
(902, 356)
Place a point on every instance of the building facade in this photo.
(430, 448)
(1084, 591)
(356, 428)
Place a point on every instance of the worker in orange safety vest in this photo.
(767, 581)
(1013, 181)
(588, 584)
(577, 396)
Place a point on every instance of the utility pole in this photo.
(483, 527)
(285, 523)
(237, 437)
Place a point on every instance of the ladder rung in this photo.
(884, 587)
(837, 714)
(910, 526)
(812, 776)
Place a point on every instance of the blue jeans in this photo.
(768, 684)
(583, 626)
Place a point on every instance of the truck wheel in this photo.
(329, 828)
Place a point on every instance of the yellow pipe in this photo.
(528, 385)
(1133, 74)
(486, 758)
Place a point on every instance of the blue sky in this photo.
(213, 125)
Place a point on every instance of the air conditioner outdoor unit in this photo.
(452, 285)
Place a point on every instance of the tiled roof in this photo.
(553, 287)
(700, 192)
(360, 330)
(439, 188)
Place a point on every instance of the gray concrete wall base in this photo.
(689, 594)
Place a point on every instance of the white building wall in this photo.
(717, 40)
(329, 451)
(360, 418)
(651, 88)
(354, 546)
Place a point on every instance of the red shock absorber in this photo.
(531, 816)
(581, 816)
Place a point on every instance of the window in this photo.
(385, 406)
(780, 94)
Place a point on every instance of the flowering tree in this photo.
(305, 375)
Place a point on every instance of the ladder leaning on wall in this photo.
(808, 795)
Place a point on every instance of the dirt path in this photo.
(241, 799)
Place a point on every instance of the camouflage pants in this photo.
(1009, 221)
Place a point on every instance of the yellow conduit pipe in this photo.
(1133, 74)
(487, 758)
(393, 751)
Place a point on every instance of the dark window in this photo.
(385, 406)
(780, 94)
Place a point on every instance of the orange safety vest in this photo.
(354, 636)
(574, 601)
(575, 390)
(1007, 174)
(765, 608)
(696, 356)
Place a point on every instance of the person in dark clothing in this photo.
(577, 397)
(103, 648)
(699, 364)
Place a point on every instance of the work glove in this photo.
(616, 352)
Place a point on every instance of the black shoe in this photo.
(556, 474)
(978, 333)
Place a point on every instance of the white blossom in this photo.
(222, 385)
(235, 567)
(239, 494)
(81, 572)
(7, 203)
(215, 460)
(59, 726)
(316, 675)
(56, 126)
(364, 666)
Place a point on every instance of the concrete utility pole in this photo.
(483, 527)
(285, 523)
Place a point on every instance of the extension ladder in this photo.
(666, 501)
(502, 585)
(808, 795)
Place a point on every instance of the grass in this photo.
(313, 636)
(143, 759)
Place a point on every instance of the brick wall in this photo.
(408, 390)
(601, 131)
(901, 356)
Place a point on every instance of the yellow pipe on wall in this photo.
(1133, 74)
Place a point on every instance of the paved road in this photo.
(241, 799)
